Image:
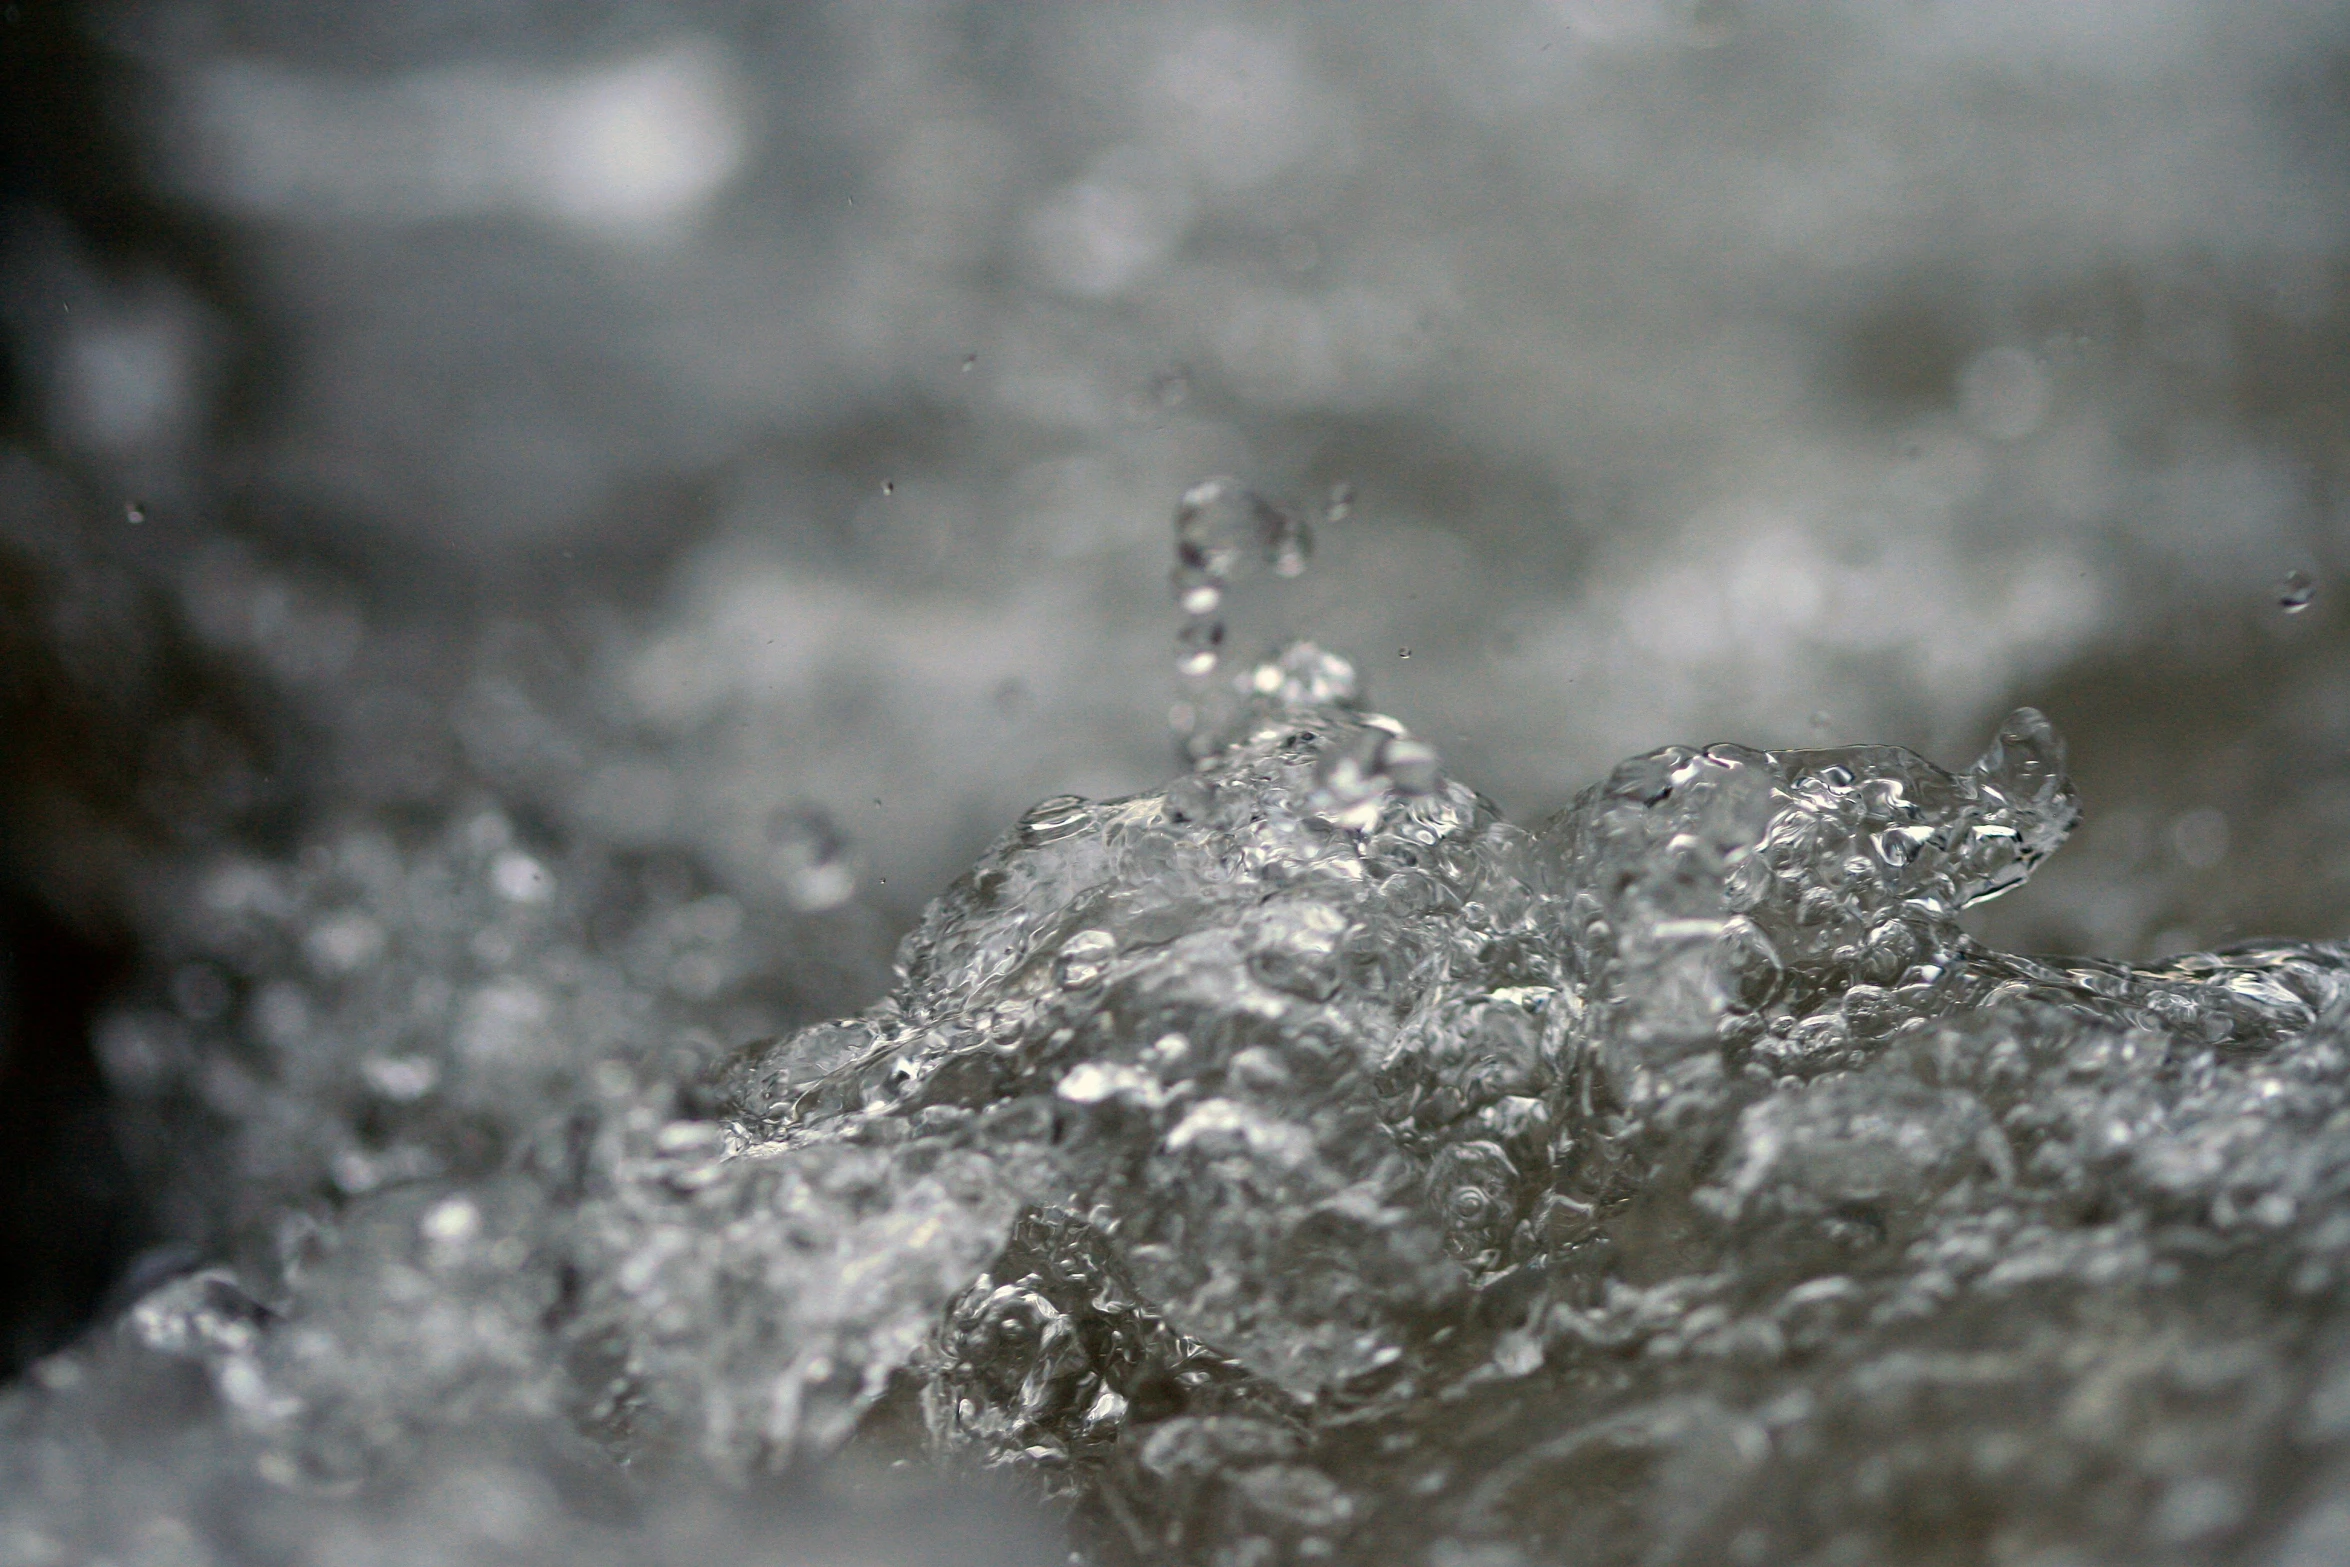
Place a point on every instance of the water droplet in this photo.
(2295, 592)
(134, 514)
(1201, 598)
(1292, 543)
(812, 858)
(1341, 502)
(452, 1222)
(888, 488)
(969, 360)
(1403, 652)
(520, 879)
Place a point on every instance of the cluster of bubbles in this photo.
(1361, 1177)
(1298, 1163)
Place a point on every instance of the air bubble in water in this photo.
(1084, 958)
(2295, 592)
(1051, 820)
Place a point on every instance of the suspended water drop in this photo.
(1341, 502)
(1217, 523)
(1292, 545)
(1403, 652)
(2295, 592)
(969, 360)
(812, 859)
(1200, 598)
(888, 488)
(1198, 645)
(134, 514)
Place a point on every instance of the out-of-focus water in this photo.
(535, 539)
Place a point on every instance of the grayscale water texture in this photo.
(535, 541)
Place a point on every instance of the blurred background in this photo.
(726, 451)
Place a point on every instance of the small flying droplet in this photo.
(888, 488)
(968, 361)
(812, 858)
(2295, 592)
(1403, 652)
(134, 514)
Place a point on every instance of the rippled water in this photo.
(1296, 1163)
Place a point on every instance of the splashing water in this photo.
(1224, 533)
(1301, 1163)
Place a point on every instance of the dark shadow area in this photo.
(69, 1219)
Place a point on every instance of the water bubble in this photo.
(1054, 819)
(889, 487)
(812, 858)
(2295, 592)
(1083, 959)
(1340, 503)
(969, 361)
(134, 513)
(1403, 652)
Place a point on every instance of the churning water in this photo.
(1298, 1163)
